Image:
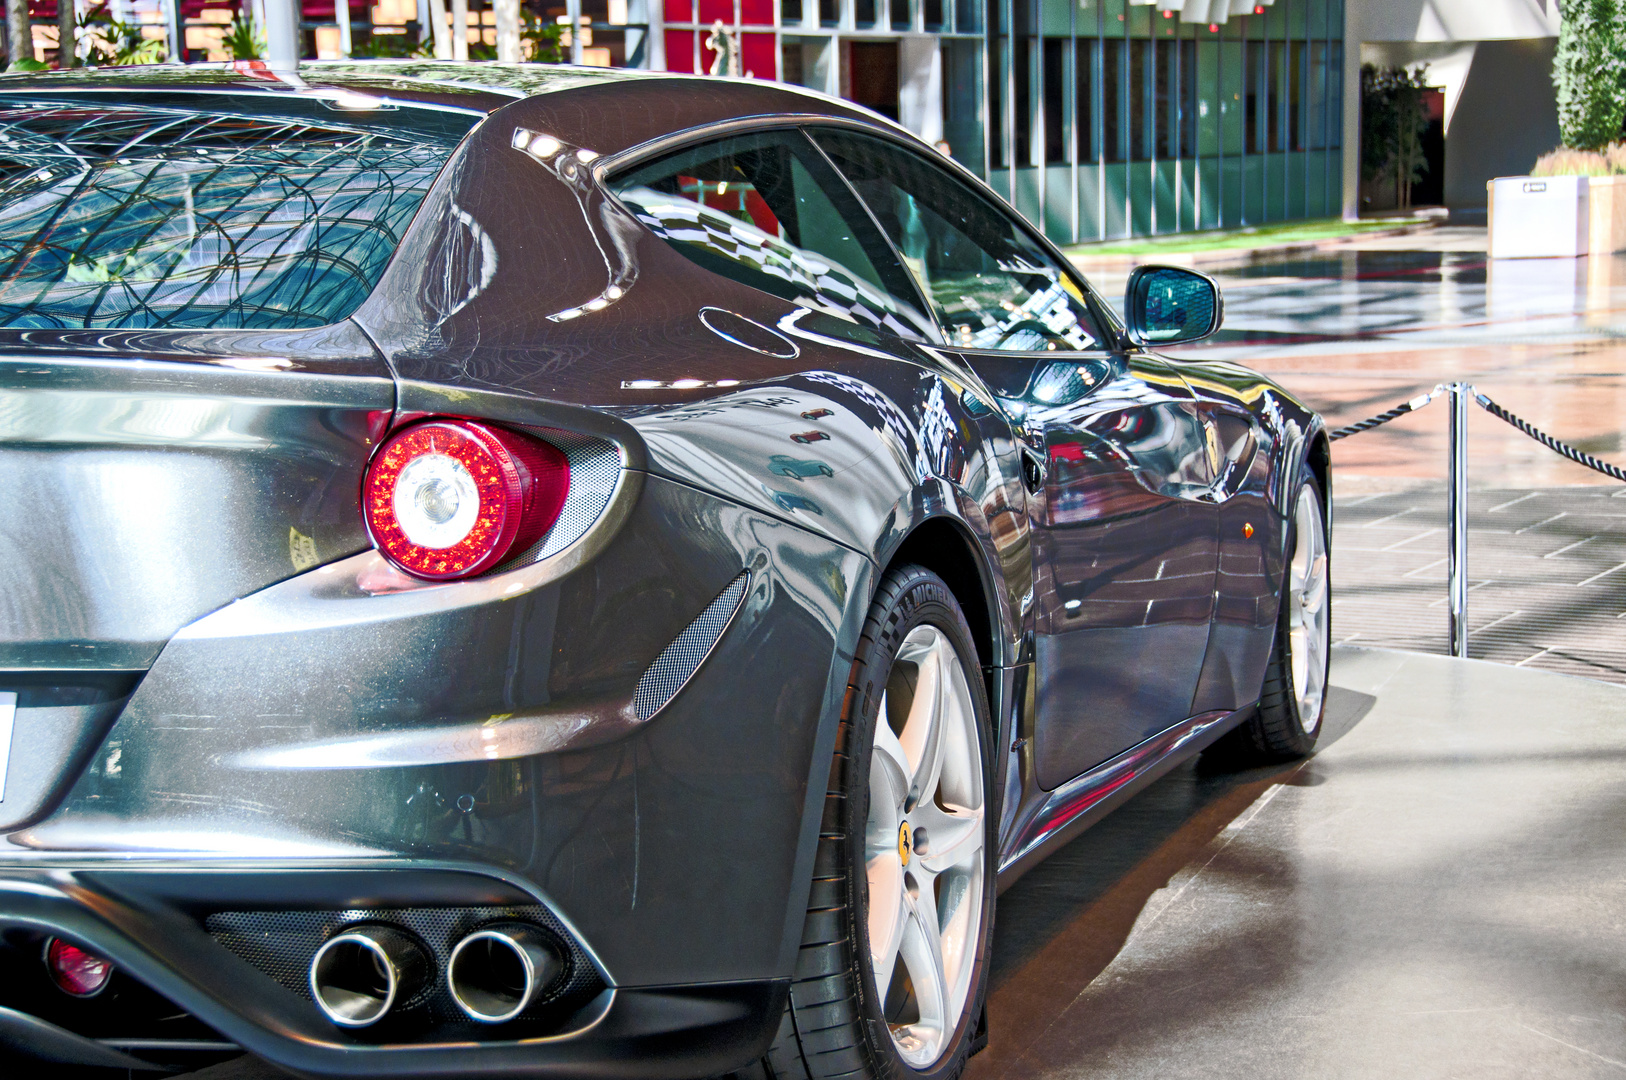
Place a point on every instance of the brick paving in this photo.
(1546, 571)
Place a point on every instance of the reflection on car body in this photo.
(796, 468)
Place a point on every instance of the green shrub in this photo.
(122, 44)
(1589, 72)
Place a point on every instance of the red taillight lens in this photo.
(451, 498)
(74, 970)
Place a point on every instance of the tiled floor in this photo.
(1546, 572)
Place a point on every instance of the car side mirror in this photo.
(1169, 305)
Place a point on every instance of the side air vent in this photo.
(681, 659)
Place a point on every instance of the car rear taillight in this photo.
(74, 970)
(452, 498)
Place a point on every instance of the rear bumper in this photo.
(269, 776)
(319, 722)
(151, 922)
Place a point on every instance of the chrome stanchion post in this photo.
(1457, 511)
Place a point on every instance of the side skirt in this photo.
(1085, 799)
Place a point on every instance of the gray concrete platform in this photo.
(1439, 892)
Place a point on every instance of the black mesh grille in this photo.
(595, 468)
(281, 944)
(673, 667)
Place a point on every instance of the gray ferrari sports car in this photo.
(521, 570)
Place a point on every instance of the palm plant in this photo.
(1393, 118)
(114, 43)
(242, 38)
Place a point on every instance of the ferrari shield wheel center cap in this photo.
(903, 843)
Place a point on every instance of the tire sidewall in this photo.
(922, 599)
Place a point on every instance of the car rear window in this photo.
(140, 217)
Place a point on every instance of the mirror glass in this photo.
(1175, 305)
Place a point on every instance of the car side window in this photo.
(766, 209)
(989, 283)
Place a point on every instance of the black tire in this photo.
(1277, 731)
(833, 1026)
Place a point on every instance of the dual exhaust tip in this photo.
(358, 976)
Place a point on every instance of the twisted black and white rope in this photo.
(1384, 417)
(1577, 456)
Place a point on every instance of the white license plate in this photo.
(8, 720)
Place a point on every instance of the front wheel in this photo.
(1294, 696)
(890, 976)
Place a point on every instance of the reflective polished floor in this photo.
(1357, 330)
(1437, 893)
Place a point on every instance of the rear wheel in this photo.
(1294, 697)
(889, 980)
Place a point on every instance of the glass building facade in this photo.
(1097, 119)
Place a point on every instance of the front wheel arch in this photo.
(1318, 459)
(945, 547)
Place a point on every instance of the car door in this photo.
(1124, 532)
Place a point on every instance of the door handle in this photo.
(1033, 470)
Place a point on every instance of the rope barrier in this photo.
(1580, 457)
(1384, 417)
(1457, 491)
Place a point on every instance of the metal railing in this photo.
(1459, 394)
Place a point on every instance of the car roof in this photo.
(482, 87)
(610, 109)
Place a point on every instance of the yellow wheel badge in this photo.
(903, 843)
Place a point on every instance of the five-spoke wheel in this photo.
(923, 844)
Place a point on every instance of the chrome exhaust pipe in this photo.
(358, 976)
(495, 973)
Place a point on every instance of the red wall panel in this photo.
(680, 50)
(759, 57)
(712, 10)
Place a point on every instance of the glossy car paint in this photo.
(266, 709)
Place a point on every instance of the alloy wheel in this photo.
(924, 846)
(1308, 598)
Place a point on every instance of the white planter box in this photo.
(1538, 217)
